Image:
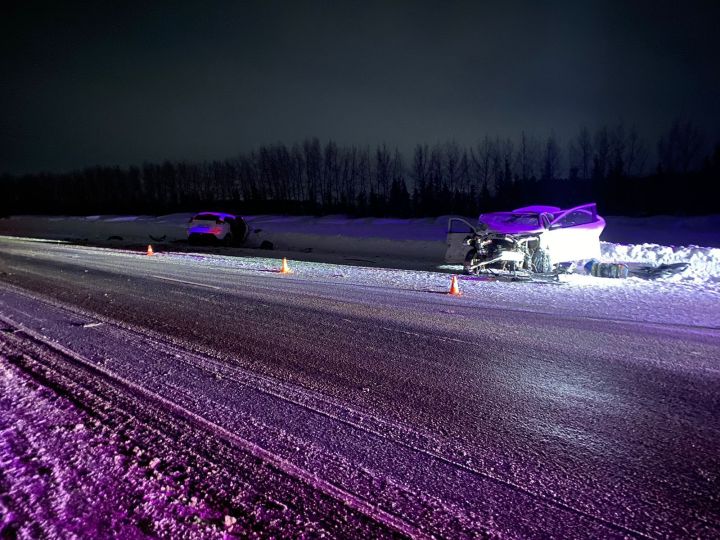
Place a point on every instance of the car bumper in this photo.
(203, 237)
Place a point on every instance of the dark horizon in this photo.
(99, 85)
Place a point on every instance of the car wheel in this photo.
(471, 260)
(541, 261)
(228, 240)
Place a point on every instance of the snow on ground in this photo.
(76, 464)
(663, 301)
(652, 241)
(663, 230)
(64, 474)
(704, 262)
(98, 229)
(417, 239)
(638, 241)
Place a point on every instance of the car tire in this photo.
(471, 259)
(228, 240)
(541, 261)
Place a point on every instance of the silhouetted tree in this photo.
(680, 148)
(551, 160)
(309, 177)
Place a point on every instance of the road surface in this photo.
(382, 410)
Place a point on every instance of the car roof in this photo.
(498, 221)
(217, 214)
(538, 209)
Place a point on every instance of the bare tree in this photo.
(364, 174)
(585, 149)
(636, 154)
(399, 199)
(313, 169)
(580, 155)
(551, 159)
(348, 175)
(506, 151)
(482, 161)
(418, 173)
(465, 177)
(383, 172)
(680, 148)
(298, 178)
(452, 163)
(527, 157)
(330, 176)
(616, 151)
(601, 153)
(435, 168)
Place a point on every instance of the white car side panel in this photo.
(571, 244)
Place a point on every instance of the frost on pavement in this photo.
(73, 467)
(63, 473)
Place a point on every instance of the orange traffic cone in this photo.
(285, 269)
(150, 250)
(454, 288)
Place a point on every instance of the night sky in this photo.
(112, 83)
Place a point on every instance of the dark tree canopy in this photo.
(610, 166)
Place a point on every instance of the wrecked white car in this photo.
(533, 239)
(217, 227)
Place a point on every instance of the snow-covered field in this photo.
(385, 241)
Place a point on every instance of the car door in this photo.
(573, 236)
(457, 232)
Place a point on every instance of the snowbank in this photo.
(704, 262)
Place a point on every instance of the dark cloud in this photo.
(119, 83)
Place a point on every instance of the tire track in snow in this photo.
(353, 501)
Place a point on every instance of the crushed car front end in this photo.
(502, 251)
(532, 239)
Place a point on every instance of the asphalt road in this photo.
(427, 414)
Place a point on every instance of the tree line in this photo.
(611, 166)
